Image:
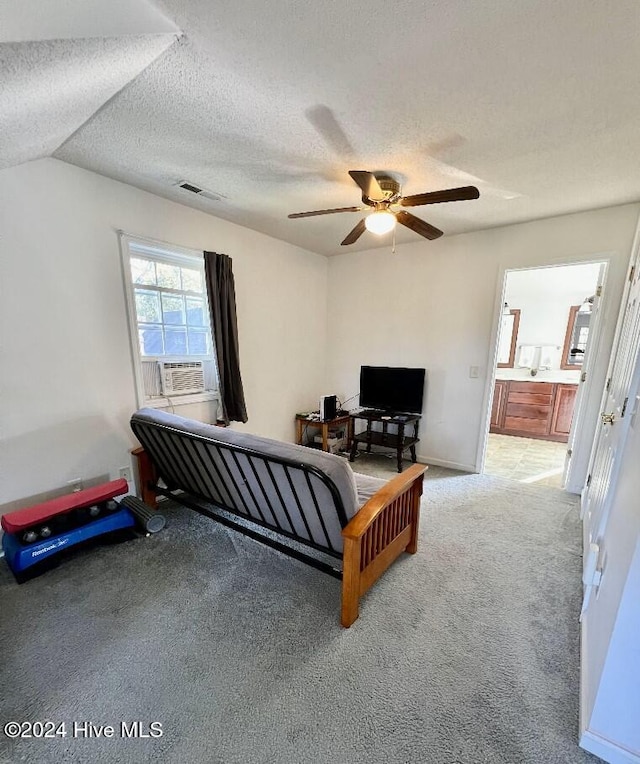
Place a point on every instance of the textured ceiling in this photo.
(30, 20)
(50, 88)
(269, 105)
(61, 60)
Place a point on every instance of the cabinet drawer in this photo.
(528, 410)
(543, 388)
(522, 424)
(534, 398)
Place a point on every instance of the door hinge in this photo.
(624, 407)
(608, 384)
(583, 376)
(599, 290)
(632, 273)
(589, 480)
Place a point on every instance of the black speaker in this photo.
(328, 407)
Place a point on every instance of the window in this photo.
(168, 316)
(171, 309)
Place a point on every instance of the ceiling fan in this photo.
(382, 193)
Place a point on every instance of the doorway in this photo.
(547, 327)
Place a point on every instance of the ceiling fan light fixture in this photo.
(381, 192)
(380, 222)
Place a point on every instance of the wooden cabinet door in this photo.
(564, 401)
(500, 391)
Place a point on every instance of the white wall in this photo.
(436, 304)
(66, 381)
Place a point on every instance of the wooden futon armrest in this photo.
(147, 476)
(384, 527)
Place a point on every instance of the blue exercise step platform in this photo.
(36, 537)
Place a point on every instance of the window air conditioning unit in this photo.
(181, 377)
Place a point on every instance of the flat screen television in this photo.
(388, 388)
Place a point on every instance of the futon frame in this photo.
(382, 529)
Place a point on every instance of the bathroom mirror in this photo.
(508, 339)
(575, 341)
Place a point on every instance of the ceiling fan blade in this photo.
(326, 212)
(368, 183)
(435, 197)
(354, 234)
(417, 225)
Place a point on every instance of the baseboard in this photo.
(444, 463)
(606, 749)
(591, 741)
(583, 710)
(596, 744)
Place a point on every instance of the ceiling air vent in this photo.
(201, 192)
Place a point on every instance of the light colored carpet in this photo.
(465, 653)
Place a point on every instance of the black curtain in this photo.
(224, 329)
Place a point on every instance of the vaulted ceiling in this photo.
(268, 105)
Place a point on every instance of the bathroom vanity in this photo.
(533, 409)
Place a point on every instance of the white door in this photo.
(577, 452)
(617, 405)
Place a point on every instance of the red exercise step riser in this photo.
(22, 519)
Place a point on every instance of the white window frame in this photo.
(130, 246)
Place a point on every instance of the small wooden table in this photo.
(305, 421)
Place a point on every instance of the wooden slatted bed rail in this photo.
(385, 526)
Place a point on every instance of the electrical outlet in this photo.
(125, 472)
(474, 372)
(75, 484)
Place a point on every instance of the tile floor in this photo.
(526, 459)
